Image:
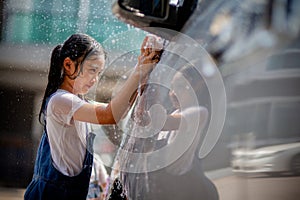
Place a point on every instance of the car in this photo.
(271, 160)
(255, 47)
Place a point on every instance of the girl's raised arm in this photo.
(114, 111)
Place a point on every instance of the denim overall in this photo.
(49, 183)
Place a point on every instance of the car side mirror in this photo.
(171, 14)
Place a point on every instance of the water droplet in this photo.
(208, 70)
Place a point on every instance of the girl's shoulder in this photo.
(64, 98)
(63, 94)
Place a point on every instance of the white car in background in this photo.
(272, 160)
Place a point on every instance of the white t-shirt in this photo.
(67, 137)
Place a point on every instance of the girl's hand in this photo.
(152, 43)
(149, 57)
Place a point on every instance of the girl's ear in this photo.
(69, 66)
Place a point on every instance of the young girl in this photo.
(64, 160)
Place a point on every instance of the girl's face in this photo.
(91, 69)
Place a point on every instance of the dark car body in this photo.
(255, 45)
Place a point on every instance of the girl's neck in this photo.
(67, 86)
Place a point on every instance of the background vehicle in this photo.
(272, 160)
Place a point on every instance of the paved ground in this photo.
(11, 194)
(258, 188)
(230, 187)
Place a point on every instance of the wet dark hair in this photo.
(77, 47)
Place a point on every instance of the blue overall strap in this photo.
(49, 183)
